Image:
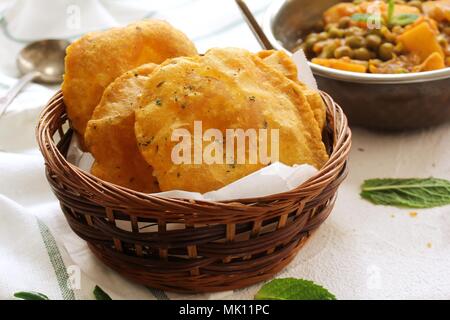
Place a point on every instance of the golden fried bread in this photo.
(97, 59)
(283, 63)
(280, 61)
(225, 88)
(110, 134)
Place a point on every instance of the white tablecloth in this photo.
(361, 251)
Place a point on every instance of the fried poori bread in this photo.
(110, 134)
(283, 63)
(280, 61)
(98, 58)
(225, 88)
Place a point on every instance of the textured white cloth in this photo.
(24, 263)
(32, 19)
(361, 251)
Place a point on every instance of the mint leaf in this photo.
(407, 193)
(367, 18)
(293, 289)
(404, 19)
(360, 17)
(30, 295)
(391, 10)
(99, 294)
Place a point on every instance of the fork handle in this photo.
(6, 100)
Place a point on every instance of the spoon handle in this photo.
(6, 100)
(254, 26)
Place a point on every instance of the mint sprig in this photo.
(404, 19)
(30, 295)
(99, 294)
(391, 10)
(407, 193)
(293, 289)
(401, 19)
(392, 19)
(361, 17)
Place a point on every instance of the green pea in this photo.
(344, 22)
(376, 31)
(397, 30)
(328, 51)
(335, 33)
(323, 36)
(362, 54)
(353, 31)
(386, 51)
(348, 32)
(318, 47)
(330, 26)
(389, 36)
(373, 41)
(312, 35)
(343, 51)
(310, 41)
(355, 42)
(442, 40)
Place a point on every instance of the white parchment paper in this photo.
(273, 179)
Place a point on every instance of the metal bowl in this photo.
(375, 101)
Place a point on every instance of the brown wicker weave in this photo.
(186, 245)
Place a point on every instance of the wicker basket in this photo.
(186, 245)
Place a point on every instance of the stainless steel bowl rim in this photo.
(351, 76)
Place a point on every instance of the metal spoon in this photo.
(41, 61)
(254, 26)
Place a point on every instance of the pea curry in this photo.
(387, 37)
